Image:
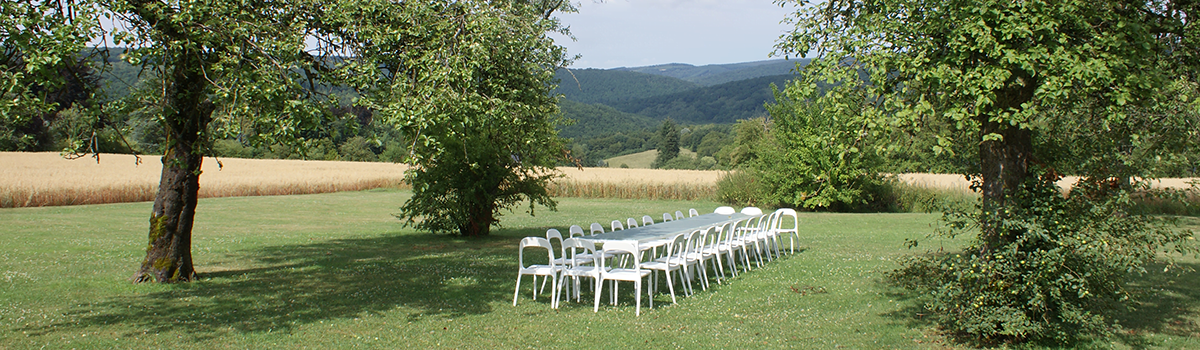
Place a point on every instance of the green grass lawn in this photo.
(642, 160)
(338, 271)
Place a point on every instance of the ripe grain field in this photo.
(36, 179)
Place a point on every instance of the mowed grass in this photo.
(642, 160)
(337, 271)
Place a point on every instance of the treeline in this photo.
(713, 74)
(611, 86)
(721, 104)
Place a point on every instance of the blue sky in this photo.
(632, 33)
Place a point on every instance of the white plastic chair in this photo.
(647, 220)
(749, 234)
(667, 217)
(597, 228)
(584, 263)
(552, 235)
(575, 231)
(672, 260)
(616, 225)
(633, 274)
(631, 223)
(550, 270)
(734, 238)
(724, 211)
(696, 258)
(692, 212)
(752, 211)
(679, 215)
(794, 230)
(712, 249)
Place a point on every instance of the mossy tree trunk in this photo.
(185, 117)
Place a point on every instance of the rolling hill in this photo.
(714, 74)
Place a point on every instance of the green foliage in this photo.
(716, 74)
(1021, 90)
(668, 143)
(745, 188)
(471, 92)
(820, 151)
(1062, 277)
(598, 120)
(42, 72)
(718, 104)
(595, 86)
(357, 149)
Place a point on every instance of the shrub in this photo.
(743, 188)
(357, 149)
(1060, 277)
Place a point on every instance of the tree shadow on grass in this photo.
(1168, 303)
(422, 274)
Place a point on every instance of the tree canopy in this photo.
(1007, 84)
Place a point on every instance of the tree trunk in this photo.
(481, 216)
(186, 115)
(1004, 162)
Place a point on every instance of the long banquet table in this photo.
(651, 234)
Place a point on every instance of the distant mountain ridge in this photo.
(713, 74)
(710, 94)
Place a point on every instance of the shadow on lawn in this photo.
(425, 275)
(1168, 304)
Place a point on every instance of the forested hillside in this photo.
(609, 86)
(714, 74)
(594, 120)
(720, 104)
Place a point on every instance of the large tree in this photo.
(1017, 80)
(468, 84)
(216, 67)
(668, 143)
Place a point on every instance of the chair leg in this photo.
(517, 291)
(638, 294)
(596, 304)
(670, 286)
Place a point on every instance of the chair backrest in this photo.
(724, 211)
(534, 242)
(647, 220)
(723, 227)
(575, 231)
(579, 247)
(616, 225)
(679, 214)
(751, 224)
(695, 241)
(621, 247)
(597, 228)
(712, 236)
(795, 220)
(667, 217)
(692, 212)
(631, 222)
(752, 211)
(731, 232)
(553, 235)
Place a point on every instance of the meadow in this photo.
(337, 270)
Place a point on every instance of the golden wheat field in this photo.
(47, 179)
